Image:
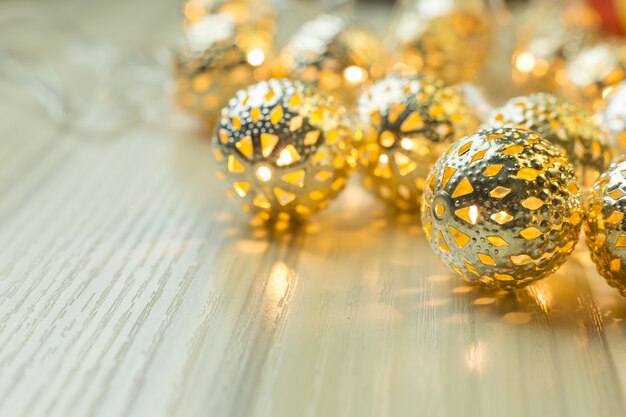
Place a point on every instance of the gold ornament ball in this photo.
(542, 51)
(612, 116)
(453, 46)
(336, 55)
(217, 57)
(284, 148)
(605, 226)
(410, 120)
(593, 70)
(502, 208)
(242, 12)
(568, 126)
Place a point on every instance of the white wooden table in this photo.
(130, 287)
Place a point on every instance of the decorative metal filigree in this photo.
(605, 226)
(453, 44)
(335, 55)
(243, 12)
(502, 208)
(220, 54)
(411, 121)
(568, 126)
(542, 51)
(595, 69)
(285, 149)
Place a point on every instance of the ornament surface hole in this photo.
(263, 173)
(439, 211)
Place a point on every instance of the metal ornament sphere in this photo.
(605, 226)
(453, 46)
(542, 52)
(217, 57)
(337, 56)
(502, 208)
(284, 148)
(568, 126)
(242, 12)
(594, 70)
(410, 121)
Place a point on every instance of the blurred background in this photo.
(121, 65)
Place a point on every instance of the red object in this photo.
(612, 13)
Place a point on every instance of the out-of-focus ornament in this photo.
(242, 12)
(410, 121)
(542, 51)
(594, 70)
(298, 11)
(612, 116)
(448, 40)
(337, 56)
(284, 148)
(605, 226)
(568, 126)
(612, 13)
(220, 54)
(502, 208)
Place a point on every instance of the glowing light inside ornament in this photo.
(473, 214)
(525, 62)
(607, 91)
(407, 144)
(439, 210)
(263, 173)
(387, 139)
(256, 57)
(384, 159)
(288, 156)
(354, 74)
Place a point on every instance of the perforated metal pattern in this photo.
(453, 45)
(568, 126)
(411, 121)
(219, 54)
(502, 208)
(284, 148)
(605, 226)
(595, 69)
(335, 55)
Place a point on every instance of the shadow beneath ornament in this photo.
(611, 304)
(354, 224)
(561, 301)
(613, 310)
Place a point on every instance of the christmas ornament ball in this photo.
(542, 51)
(336, 55)
(593, 70)
(242, 12)
(453, 45)
(217, 56)
(409, 121)
(568, 126)
(284, 148)
(605, 226)
(502, 208)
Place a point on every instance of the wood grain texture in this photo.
(129, 286)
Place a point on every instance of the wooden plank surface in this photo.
(129, 286)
